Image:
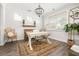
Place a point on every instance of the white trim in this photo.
(2, 44)
(2, 24)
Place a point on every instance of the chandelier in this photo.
(39, 11)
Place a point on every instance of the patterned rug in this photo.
(39, 48)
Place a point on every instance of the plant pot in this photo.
(70, 43)
(78, 33)
(70, 40)
(69, 35)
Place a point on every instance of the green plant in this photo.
(78, 27)
(70, 27)
(74, 26)
(67, 28)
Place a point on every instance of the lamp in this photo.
(39, 11)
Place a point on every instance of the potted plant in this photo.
(71, 27)
(68, 28)
(78, 28)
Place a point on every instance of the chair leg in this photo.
(11, 40)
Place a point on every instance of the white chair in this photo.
(75, 48)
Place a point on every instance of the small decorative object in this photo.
(23, 21)
(34, 23)
(39, 11)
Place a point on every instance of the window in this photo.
(56, 22)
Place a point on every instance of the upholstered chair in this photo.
(10, 34)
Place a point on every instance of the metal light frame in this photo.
(39, 11)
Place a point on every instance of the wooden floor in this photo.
(10, 49)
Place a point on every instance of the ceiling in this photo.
(30, 7)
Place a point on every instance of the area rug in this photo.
(57, 48)
(40, 48)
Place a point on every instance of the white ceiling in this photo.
(32, 6)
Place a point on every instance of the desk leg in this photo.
(49, 41)
(30, 44)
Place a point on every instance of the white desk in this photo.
(33, 34)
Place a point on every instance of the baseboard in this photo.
(57, 40)
(2, 44)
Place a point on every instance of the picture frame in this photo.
(25, 24)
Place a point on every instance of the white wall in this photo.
(17, 25)
(2, 18)
(7, 18)
(58, 34)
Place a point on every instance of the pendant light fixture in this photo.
(39, 11)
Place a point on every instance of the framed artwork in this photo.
(28, 23)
